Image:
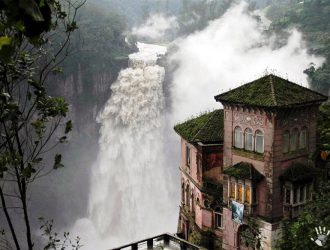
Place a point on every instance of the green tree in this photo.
(312, 18)
(34, 40)
(297, 234)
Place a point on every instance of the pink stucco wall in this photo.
(211, 170)
(273, 162)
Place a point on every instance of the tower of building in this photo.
(262, 170)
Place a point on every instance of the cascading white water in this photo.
(129, 197)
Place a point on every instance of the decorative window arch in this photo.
(286, 141)
(294, 139)
(303, 138)
(259, 141)
(187, 196)
(238, 137)
(248, 139)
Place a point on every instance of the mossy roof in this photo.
(271, 91)
(299, 173)
(206, 128)
(243, 170)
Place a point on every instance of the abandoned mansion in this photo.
(246, 167)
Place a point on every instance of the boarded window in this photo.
(248, 144)
(238, 137)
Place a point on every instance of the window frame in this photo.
(238, 132)
(245, 186)
(263, 141)
(218, 214)
(188, 155)
(303, 131)
(248, 134)
(286, 142)
(187, 197)
(294, 140)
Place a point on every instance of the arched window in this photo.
(286, 141)
(238, 137)
(303, 138)
(248, 137)
(192, 203)
(294, 140)
(259, 144)
(187, 197)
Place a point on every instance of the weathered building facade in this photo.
(268, 136)
(201, 164)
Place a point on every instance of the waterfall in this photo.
(129, 198)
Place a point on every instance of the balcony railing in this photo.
(160, 242)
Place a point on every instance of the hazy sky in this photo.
(231, 51)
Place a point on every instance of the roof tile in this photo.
(271, 91)
(207, 128)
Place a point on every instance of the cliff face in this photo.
(86, 94)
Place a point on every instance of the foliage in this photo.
(243, 170)
(297, 234)
(195, 15)
(54, 241)
(34, 40)
(250, 234)
(207, 127)
(312, 18)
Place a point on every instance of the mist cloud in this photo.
(231, 51)
(156, 27)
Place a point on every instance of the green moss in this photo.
(271, 91)
(248, 154)
(299, 173)
(243, 170)
(207, 127)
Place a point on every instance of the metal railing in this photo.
(160, 241)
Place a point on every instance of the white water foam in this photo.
(129, 197)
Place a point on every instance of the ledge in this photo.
(249, 154)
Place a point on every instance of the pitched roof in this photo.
(299, 173)
(243, 170)
(206, 128)
(271, 91)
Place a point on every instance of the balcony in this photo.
(292, 211)
(249, 209)
(163, 241)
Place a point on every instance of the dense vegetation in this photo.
(313, 19)
(34, 40)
